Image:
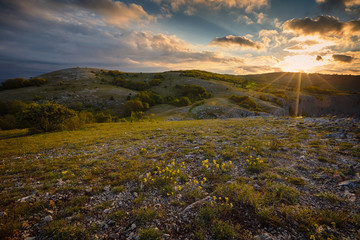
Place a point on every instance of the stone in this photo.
(88, 190)
(48, 218)
(29, 198)
(336, 135)
(133, 226)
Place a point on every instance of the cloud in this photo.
(235, 41)
(111, 12)
(342, 58)
(329, 5)
(248, 5)
(319, 58)
(246, 19)
(115, 12)
(322, 25)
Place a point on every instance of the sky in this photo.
(223, 36)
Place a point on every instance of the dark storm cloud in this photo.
(342, 58)
(319, 58)
(235, 40)
(330, 5)
(322, 25)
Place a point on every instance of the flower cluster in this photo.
(165, 177)
(197, 183)
(143, 151)
(221, 202)
(216, 166)
(255, 164)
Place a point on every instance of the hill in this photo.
(246, 178)
(274, 93)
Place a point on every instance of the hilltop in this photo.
(273, 93)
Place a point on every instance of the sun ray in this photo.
(325, 81)
(276, 79)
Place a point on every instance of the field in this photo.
(259, 177)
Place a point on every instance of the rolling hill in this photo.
(274, 93)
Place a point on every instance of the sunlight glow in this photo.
(299, 63)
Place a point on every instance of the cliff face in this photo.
(339, 105)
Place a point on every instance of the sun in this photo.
(299, 63)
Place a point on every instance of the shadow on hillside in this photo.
(14, 133)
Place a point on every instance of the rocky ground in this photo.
(248, 178)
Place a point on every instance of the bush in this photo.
(222, 231)
(47, 117)
(12, 107)
(183, 101)
(245, 102)
(37, 81)
(8, 122)
(149, 97)
(102, 117)
(86, 117)
(155, 82)
(15, 83)
(22, 82)
(194, 92)
(139, 86)
(134, 105)
(150, 234)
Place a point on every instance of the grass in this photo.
(149, 172)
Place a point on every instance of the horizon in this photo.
(222, 36)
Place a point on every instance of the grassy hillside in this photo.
(274, 93)
(249, 178)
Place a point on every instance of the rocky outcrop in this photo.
(212, 112)
(339, 105)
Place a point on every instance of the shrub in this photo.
(281, 193)
(37, 81)
(135, 105)
(144, 215)
(183, 101)
(222, 231)
(22, 82)
(139, 86)
(8, 122)
(208, 75)
(15, 83)
(193, 92)
(102, 117)
(12, 107)
(149, 97)
(86, 117)
(149, 234)
(245, 102)
(155, 82)
(47, 117)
